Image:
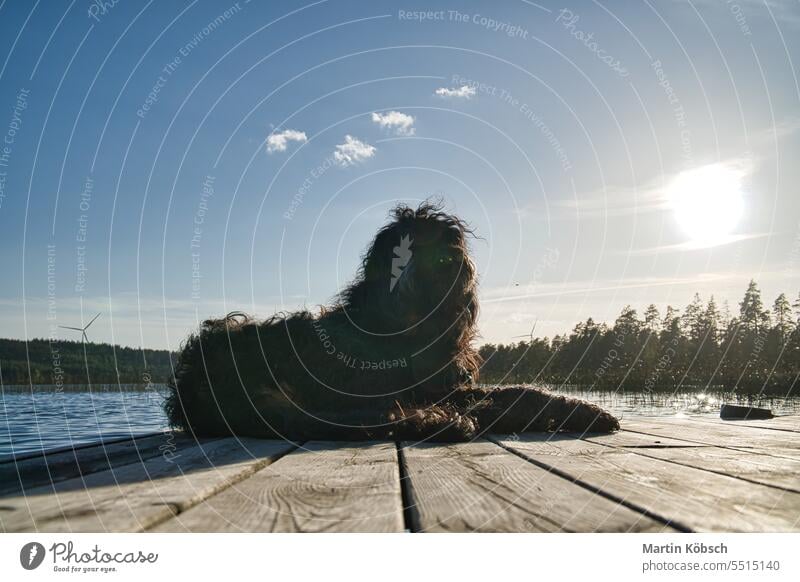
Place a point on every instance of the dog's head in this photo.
(416, 274)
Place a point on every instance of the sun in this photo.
(707, 202)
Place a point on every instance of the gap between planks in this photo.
(745, 439)
(320, 487)
(410, 513)
(472, 466)
(598, 490)
(480, 486)
(688, 498)
(382, 486)
(747, 465)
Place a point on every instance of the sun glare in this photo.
(707, 202)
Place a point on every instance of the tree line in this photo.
(704, 345)
(41, 361)
(754, 350)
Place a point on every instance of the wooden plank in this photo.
(783, 423)
(768, 442)
(13, 457)
(322, 487)
(690, 498)
(53, 466)
(480, 486)
(748, 465)
(634, 440)
(138, 495)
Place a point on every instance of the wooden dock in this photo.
(656, 475)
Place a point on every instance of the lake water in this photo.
(685, 402)
(46, 418)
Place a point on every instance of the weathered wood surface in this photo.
(785, 423)
(635, 440)
(688, 498)
(320, 487)
(480, 487)
(729, 434)
(28, 471)
(136, 496)
(748, 465)
(101, 442)
(657, 474)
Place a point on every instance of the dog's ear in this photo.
(377, 265)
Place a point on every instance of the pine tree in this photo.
(671, 318)
(627, 323)
(651, 318)
(693, 319)
(671, 334)
(706, 335)
(704, 346)
(711, 321)
(751, 310)
(796, 306)
(725, 317)
(784, 324)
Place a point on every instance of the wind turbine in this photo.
(528, 335)
(84, 338)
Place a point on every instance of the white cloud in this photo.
(352, 151)
(277, 142)
(463, 92)
(401, 123)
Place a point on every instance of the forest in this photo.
(755, 349)
(72, 362)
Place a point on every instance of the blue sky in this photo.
(149, 176)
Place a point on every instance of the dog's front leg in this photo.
(436, 375)
(523, 408)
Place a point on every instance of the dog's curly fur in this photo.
(391, 358)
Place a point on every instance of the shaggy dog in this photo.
(392, 357)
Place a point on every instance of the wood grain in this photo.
(749, 465)
(31, 471)
(690, 498)
(136, 496)
(694, 474)
(784, 423)
(16, 457)
(482, 487)
(726, 435)
(636, 440)
(321, 487)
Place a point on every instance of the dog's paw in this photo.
(588, 417)
(433, 423)
(604, 422)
